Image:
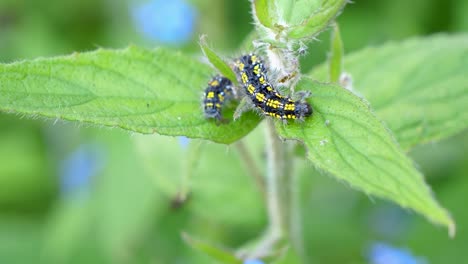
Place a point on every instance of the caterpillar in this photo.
(218, 92)
(269, 101)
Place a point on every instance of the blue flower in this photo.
(166, 21)
(184, 142)
(79, 167)
(253, 261)
(381, 253)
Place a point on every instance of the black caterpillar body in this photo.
(218, 92)
(268, 100)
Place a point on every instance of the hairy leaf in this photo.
(346, 140)
(294, 12)
(300, 18)
(217, 62)
(147, 91)
(265, 12)
(313, 16)
(419, 87)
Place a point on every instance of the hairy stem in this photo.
(190, 163)
(295, 224)
(277, 194)
(249, 163)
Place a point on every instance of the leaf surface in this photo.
(147, 91)
(418, 87)
(300, 19)
(217, 62)
(346, 140)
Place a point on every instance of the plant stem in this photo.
(276, 202)
(251, 167)
(190, 162)
(283, 208)
(276, 195)
(295, 226)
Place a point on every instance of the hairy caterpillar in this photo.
(269, 101)
(218, 92)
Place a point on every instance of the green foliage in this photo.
(199, 180)
(196, 177)
(418, 87)
(140, 90)
(152, 188)
(217, 62)
(346, 140)
(299, 19)
(265, 11)
(132, 216)
(315, 21)
(26, 178)
(216, 253)
(336, 55)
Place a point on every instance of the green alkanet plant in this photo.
(397, 96)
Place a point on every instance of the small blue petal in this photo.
(253, 261)
(170, 22)
(184, 142)
(381, 253)
(79, 167)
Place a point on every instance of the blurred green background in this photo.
(72, 193)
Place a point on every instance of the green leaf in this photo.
(66, 230)
(147, 91)
(310, 17)
(265, 12)
(294, 12)
(419, 87)
(299, 18)
(346, 140)
(216, 253)
(125, 201)
(22, 239)
(335, 60)
(217, 62)
(25, 170)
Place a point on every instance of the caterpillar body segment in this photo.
(253, 77)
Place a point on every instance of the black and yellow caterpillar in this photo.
(268, 100)
(218, 92)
